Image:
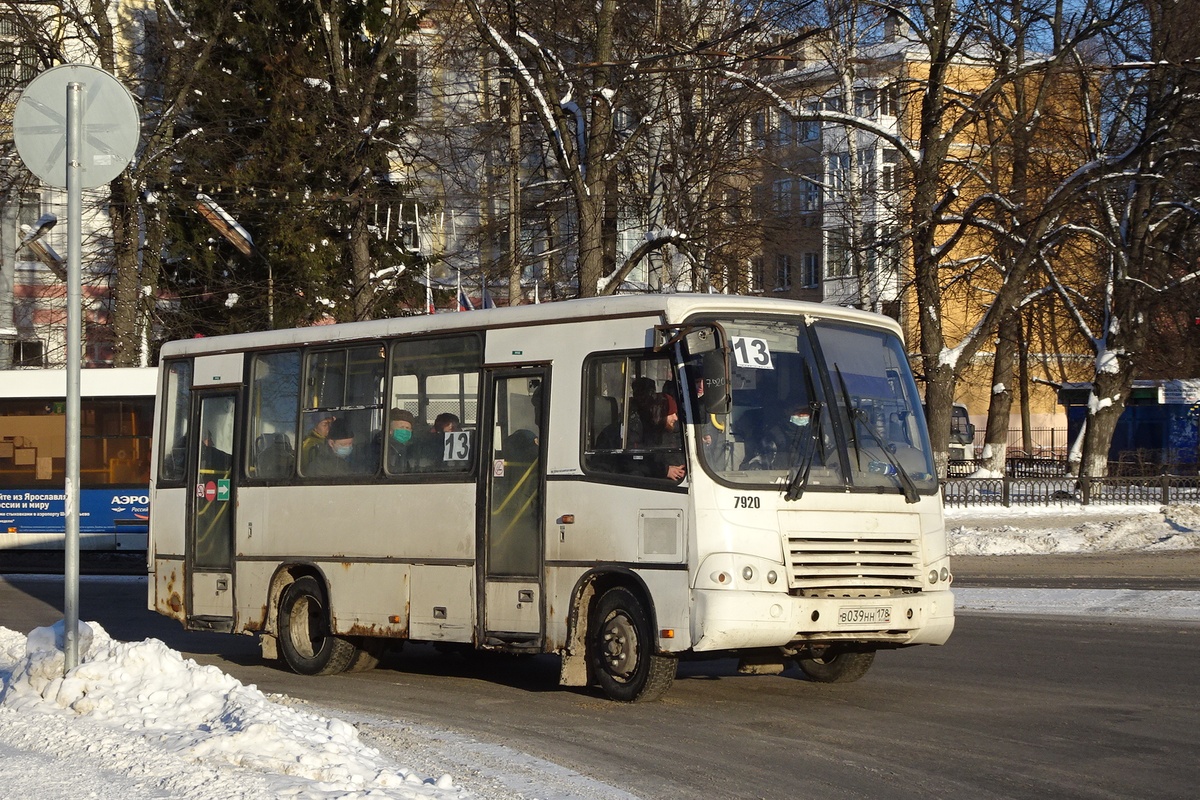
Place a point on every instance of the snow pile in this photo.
(1093, 529)
(1107, 603)
(153, 720)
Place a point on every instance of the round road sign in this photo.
(109, 128)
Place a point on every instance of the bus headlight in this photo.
(772, 576)
(747, 573)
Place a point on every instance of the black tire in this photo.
(304, 638)
(837, 666)
(370, 652)
(621, 650)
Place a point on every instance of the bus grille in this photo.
(852, 564)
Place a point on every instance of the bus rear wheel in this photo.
(621, 650)
(836, 666)
(304, 637)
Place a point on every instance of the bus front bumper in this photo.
(728, 620)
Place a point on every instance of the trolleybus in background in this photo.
(116, 417)
(619, 481)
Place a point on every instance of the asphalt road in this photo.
(1011, 707)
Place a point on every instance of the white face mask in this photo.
(799, 420)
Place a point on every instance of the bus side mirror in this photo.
(712, 389)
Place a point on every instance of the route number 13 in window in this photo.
(751, 353)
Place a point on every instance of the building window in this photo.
(838, 261)
(29, 353)
(838, 169)
(811, 130)
(759, 129)
(756, 274)
(888, 178)
(810, 194)
(783, 272)
(865, 102)
(889, 100)
(18, 59)
(409, 80)
(782, 191)
(812, 270)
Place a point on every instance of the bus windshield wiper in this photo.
(850, 411)
(906, 482)
(806, 445)
(858, 416)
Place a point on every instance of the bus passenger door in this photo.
(210, 513)
(511, 523)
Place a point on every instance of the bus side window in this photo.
(437, 381)
(606, 423)
(624, 416)
(273, 415)
(178, 404)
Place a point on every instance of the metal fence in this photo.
(1024, 491)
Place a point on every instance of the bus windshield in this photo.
(817, 405)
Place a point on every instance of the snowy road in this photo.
(1040, 693)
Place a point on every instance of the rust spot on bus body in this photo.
(377, 631)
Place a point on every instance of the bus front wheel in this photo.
(304, 638)
(621, 648)
(835, 666)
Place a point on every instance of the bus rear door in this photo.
(511, 520)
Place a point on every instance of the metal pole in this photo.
(74, 320)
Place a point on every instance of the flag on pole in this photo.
(487, 299)
(464, 302)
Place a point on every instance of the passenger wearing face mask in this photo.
(402, 450)
(782, 444)
(334, 458)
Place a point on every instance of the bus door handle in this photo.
(525, 596)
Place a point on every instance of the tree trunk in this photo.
(1101, 424)
(362, 298)
(995, 442)
(126, 290)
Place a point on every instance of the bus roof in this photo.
(673, 308)
(52, 383)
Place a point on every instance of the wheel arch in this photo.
(591, 585)
(285, 575)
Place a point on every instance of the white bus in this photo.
(543, 502)
(116, 414)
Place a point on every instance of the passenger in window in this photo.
(401, 448)
(783, 442)
(315, 438)
(446, 422)
(335, 457)
(642, 410)
(669, 437)
(439, 454)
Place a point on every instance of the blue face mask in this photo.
(402, 435)
(799, 420)
(344, 450)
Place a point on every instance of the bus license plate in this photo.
(864, 616)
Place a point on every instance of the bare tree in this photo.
(959, 65)
(1139, 94)
(596, 79)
